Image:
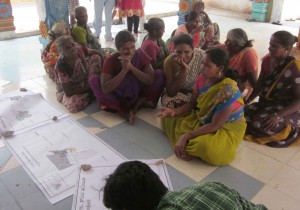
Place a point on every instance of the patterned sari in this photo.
(49, 58)
(78, 76)
(276, 94)
(185, 94)
(217, 148)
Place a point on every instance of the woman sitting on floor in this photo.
(242, 57)
(50, 54)
(212, 125)
(73, 70)
(153, 44)
(181, 71)
(128, 81)
(210, 35)
(275, 119)
(193, 26)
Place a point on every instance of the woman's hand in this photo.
(126, 62)
(196, 30)
(180, 147)
(271, 121)
(166, 112)
(183, 65)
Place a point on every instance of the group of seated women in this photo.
(201, 91)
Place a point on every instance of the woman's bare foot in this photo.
(131, 117)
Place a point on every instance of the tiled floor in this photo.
(261, 174)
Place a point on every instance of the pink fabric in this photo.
(151, 48)
(182, 29)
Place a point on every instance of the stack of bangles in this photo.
(278, 118)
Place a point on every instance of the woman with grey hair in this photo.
(50, 54)
(243, 58)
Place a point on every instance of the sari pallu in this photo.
(217, 148)
(276, 94)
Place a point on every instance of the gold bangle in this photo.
(278, 118)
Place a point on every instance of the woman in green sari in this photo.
(212, 125)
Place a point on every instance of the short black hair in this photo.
(122, 37)
(192, 15)
(133, 186)
(183, 39)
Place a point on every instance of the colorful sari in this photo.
(185, 94)
(78, 76)
(127, 94)
(49, 58)
(217, 148)
(276, 94)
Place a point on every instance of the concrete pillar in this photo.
(6, 17)
(276, 7)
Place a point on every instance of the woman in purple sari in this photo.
(128, 81)
(275, 119)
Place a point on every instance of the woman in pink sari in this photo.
(128, 81)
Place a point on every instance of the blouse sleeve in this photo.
(250, 61)
(79, 35)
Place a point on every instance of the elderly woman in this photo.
(128, 80)
(243, 57)
(73, 71)
(181, 70)
(211, 125)
(50, 54)
(275, 119)
(153, 45)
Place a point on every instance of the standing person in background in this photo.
(133, 10)
(72, 4)
(143, 19)
(108, 6)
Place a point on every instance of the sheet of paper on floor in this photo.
(89, 185)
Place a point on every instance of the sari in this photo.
(126, 95)
(78, 76)
(49, 58)
(276, 94)
(217, 148)
(185, 94)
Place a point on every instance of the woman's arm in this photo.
(257, 88)
(217, 122)
(110, 83)
(174, 84)
(146, 76)
(252, 78)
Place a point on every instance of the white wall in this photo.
(240, 6)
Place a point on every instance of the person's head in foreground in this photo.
(125, 43)
(134, 186)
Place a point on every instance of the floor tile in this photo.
(256, 164)
(179, 180)
(18, 183)
(78, 115)
(281, 154)
(44, 81)
(11, 164)
(287, 181)
(195, 169)
(134, 151)
(246, 185)
(295, 161)
(2, 144)
(7, 200)
(95, 130)
(149, 116)
(89, 121)
(92, 108)
(275, 200)
(5, 155)
(114, 139)
(107, 118)
(37, 200)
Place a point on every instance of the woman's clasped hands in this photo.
(126, 61)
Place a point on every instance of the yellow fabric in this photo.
(217, 148)
(79, 35)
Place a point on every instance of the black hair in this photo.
(153, 24)
(133, 186)
(221, 58)
(183, 39)
(199, 3)
(122, 37)
(192, 15)
(78, 10)
(285, 38)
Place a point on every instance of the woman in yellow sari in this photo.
(212, 125)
